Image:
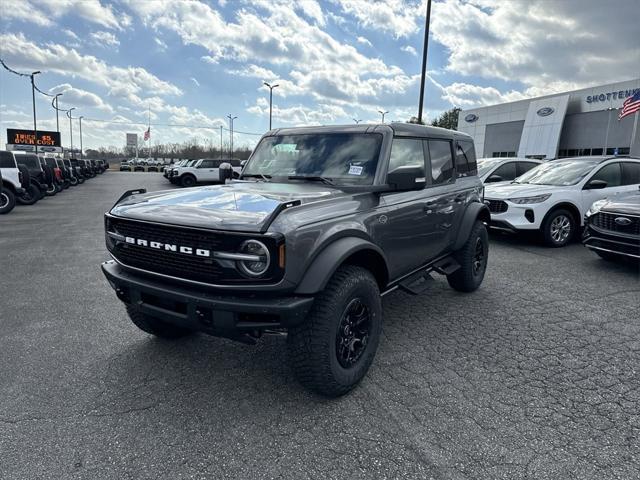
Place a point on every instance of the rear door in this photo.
(205, 171)
(610, 173)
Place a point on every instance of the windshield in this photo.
(486, 164)
(30, 161)
(563, 172)
(344, 158)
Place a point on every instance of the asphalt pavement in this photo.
(536, 375)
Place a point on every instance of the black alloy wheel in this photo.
(353, 333)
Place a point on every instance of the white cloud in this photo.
(299, 114)
(409, 49)
(364, 41)
(120, 82)
(70, 34)
(195, 81)
(44, 12)
(162, 46)
(78, 97)
(401, 18)
(105, 39)
(311, 9)
(465, 95)
(577, 42)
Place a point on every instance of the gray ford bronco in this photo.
(322, 223)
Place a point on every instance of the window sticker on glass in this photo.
(355, 170)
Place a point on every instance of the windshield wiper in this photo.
(312, 178)
(257, 175)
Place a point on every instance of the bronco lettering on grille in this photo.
(140, 242)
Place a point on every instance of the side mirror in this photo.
(596, 184)
(405, 178)
(225, 171)
(494, 178)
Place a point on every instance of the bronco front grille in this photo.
(185, 266)
(607, 221)
(497, 206)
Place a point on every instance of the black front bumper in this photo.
(221, 314)
(626, 245)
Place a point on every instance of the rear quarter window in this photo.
(6, 160)
(466, 164)
(441, 161)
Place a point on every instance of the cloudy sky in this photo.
(194, 62)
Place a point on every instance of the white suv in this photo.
(203, 171)
(11, 181)
(503, 169)
(554, 196)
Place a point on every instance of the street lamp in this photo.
(231, 119)
(357, 121)
(221, 142)
(270, 100)
(33, 95)
(383, 114)
(55, 99)
(70, 130)
(80, 119)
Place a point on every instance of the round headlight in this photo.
(259, 264)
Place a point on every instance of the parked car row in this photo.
(188, 173)
(26, 178)
(559, 197)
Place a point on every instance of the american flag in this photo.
(631, 105)
(147, 134)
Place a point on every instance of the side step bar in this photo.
(420, 281)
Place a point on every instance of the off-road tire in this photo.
(30, 196)
(155, 326)
(7, 200)
(312, 346)
(472, 268)
(188, 181)
(546, 228)
(51, 190)
(26, 176)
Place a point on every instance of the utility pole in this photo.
(55, 99)
(231, 119)
(221, 142)
(270, 100)
(424, 60)
(33, 94)
(70, 130)
(80, 137)
(383, 114)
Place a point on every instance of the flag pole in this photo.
(149, 130)
(633, 133)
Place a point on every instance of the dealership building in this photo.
(582, 122)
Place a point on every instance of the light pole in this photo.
(357, 121)
(383, 114)
(231, 119)
(424, 60)
(70, 131)
(33, 94)
(55, 99)
(80, 119)
(220, 141)
(270, 100)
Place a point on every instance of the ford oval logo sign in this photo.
(545, 111)
(623, 221)
(472, 117)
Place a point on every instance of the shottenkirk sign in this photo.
(619, 95)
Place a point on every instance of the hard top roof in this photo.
(399, 129)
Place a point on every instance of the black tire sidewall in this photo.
(188, 181)
(10, 199)
(546, 227)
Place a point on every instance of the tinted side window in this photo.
(406, 151)
(506, 171)
(206, 164)
(466, 159)
(630, 173)
(524, 167)
(610, 174)
(6, 160)
(441, 160)
(235, 163)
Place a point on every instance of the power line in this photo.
(13, 71)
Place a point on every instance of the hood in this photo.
(237, 206)
(514, 190)
(624, 204)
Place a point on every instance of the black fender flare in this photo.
(474, 211)
(324, 265)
